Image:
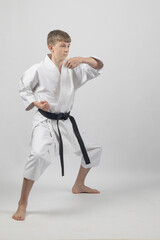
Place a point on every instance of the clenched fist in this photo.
(44, 105)
(73, 62)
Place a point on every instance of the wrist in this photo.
(86, 60)
(35, 103)
(82, 60)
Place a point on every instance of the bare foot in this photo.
(83, 189)
(20, 214)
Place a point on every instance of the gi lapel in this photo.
(66, 90)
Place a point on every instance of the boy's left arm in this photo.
(84, 69)
(93, 62)
(75, 61)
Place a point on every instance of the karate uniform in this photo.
(44, 82)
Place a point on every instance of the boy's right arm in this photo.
(42, 105)
(28, 82)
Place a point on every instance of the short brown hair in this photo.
(57, 36)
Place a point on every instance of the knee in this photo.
(38, 153)
(98, 148)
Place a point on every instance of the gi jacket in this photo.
(44, 82)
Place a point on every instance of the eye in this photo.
(64, 46)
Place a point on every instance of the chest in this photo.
(53, 80)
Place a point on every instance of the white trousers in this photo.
(45, 136)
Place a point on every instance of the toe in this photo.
(95, 190)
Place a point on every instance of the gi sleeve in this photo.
(28, 82)
(85, 72)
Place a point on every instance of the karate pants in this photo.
(45, 136)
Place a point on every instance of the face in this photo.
(60, 50)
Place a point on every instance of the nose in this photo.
(66, 51)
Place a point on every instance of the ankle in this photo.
(79, 184)
(22, 202)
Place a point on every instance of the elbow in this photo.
(100, 65)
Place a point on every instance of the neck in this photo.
(58, 62)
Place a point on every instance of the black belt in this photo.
(64, 116)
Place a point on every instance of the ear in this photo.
(51, 47)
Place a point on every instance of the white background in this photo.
(120, 108)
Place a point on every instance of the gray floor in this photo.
(128, 207)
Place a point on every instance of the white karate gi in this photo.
(44, 82)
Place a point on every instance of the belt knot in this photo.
(63, 116)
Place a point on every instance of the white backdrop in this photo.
(121, 105)
(120, 109)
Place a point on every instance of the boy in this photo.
(51, 86)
